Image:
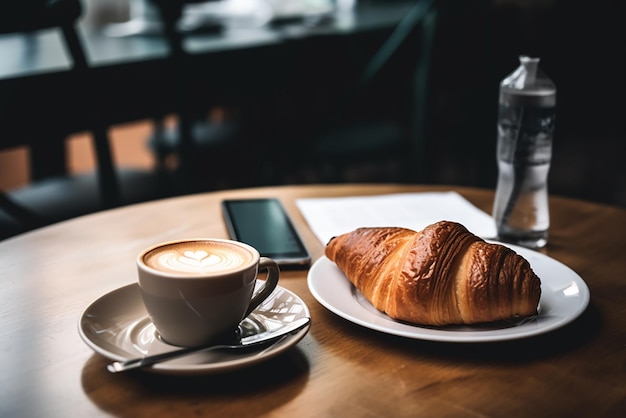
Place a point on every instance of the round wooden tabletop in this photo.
(49, 276)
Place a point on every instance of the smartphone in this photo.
(264, 224)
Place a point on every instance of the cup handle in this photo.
(270, 283)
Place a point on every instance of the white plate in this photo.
(117, 326)
(564, 297)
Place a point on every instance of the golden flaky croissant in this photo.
(441, 275)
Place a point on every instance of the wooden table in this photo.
(49, 276)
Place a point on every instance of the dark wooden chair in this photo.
(53, 194)
(199, 146)
(372, 125)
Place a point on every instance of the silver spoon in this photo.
(263, 338)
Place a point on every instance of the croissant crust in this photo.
(441, 275)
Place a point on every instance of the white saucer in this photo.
(564, 297)
(117, 326)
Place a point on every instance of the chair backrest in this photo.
(170, 13)
(421, 18)
(26, 16)
(390, 80)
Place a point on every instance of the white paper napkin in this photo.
(329, 217)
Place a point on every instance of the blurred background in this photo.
(474, 45)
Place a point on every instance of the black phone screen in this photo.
(264, 224)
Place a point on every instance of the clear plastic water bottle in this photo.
(525, 130)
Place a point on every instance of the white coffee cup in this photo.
(198, 290)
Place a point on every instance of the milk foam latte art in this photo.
(198, 257)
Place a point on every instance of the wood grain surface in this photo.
(49, 276)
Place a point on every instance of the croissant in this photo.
(441, 275)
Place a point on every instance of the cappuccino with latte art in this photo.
(198, 257)
(198, 290)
